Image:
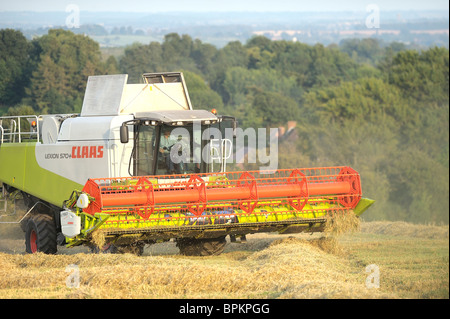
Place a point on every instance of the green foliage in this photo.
(20, 110)
(14, 55)
(275, 108)
(422, 77)
(368, 99)
(239, 81)
(380, 108)
(363, 50)
(201, 95)
(65, 61)
(395, 133)
(139, 59)
(111, 65)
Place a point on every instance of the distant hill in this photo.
(111, 29)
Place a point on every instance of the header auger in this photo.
(244, 191)
(136, 167)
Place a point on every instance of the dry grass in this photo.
(267, 266)
(339, 223)
(287, 269)
(98, 238)
(406, 229)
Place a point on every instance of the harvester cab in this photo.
(178, 142)
(139, 165)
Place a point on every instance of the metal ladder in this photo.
(8, 134)
(3, 200)
(4, 197)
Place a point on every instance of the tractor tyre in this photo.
(134, 249)
(40, 234)
(201, 247)
(106, 249)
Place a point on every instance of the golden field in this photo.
(412, 261)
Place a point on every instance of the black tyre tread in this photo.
(45, 229)
(201, 247)
(134, 249)
(106, 249)
(214, 248)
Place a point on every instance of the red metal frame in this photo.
(300, 201)
(197, 207)
(247, 192)
(247, 180)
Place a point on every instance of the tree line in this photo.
(380, 108)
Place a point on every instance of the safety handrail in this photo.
(15, 130)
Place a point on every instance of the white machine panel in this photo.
(110, 95)
(103, 95)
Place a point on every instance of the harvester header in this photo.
(213, 204)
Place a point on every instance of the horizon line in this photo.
(223, 12)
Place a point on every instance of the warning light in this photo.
(214, 111)
(33, 123)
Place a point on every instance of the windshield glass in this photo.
(179, 150)
(191, 149)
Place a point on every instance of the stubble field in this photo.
(381, 260)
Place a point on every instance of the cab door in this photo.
(221, 144)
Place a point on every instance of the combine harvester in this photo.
(111, 172)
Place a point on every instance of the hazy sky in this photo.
(222, 5)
